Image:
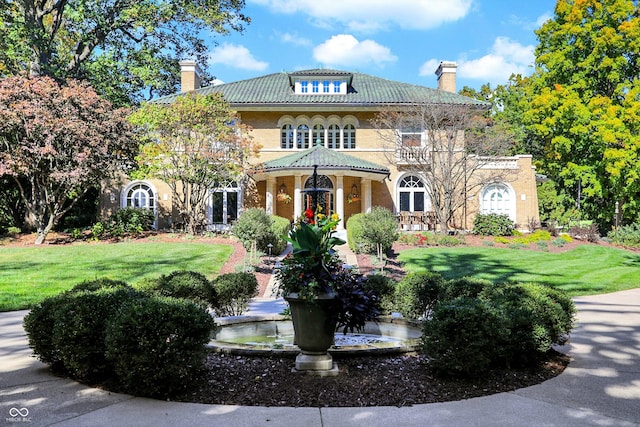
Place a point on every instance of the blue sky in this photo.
(401, 40)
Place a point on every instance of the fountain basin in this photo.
(272, 335)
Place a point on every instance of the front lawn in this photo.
(585, 270)
(30, 274)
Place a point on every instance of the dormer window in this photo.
(321, 82)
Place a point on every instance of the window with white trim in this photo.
(412, 194)
(140, 195)
(318, 135)
(302, 137)
(334, 137)
(224, 204)
(497, 198)
(286, 136)
(349, 137)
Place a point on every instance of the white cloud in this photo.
(372, 15)
(505, 58)
(236, 56)
(346, 50)
(295, 39)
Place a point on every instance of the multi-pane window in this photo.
(336, 86)
(496, 198)
(315, 86)
(140, 195)
(302, 137)
(411, 194)
(286, 136)
(334, 136)
(224, 203)
(321, 87)
(325, 86)
(304, 87)
(349, 137)
(318, 135)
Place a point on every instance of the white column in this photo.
(366, 195)
(270, 191)
(297, 197)
(340, 200)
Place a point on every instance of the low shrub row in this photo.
(146, 345)
(471, 325)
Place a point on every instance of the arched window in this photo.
(349, 137)
(286, 137)
(497, 198)
(140, 195)
(325, 198)
(318, 135)
(412, 194)
(334, 137)
(302, 138)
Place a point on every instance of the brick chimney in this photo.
(190, 75)
(446, 73)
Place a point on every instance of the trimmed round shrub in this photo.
(380, 228)
(465, 287)
(190, 285)
(384, 288)
(417, 294)
(492, 225)
(355, 231)
(156, 345)
(234, 290)
(96, 284)
(462, 336)
(255, 225)
(535, 317)
(39, 323)
(79, 329)
(280, 227)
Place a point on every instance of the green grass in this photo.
(586, 270)
(30, 274)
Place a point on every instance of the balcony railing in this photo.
(412, 155)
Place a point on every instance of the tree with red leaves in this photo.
(57, 141)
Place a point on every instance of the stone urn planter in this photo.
(314, 327)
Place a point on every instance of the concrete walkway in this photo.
(601, 387)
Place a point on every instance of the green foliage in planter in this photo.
(384, 288)
(234, 290)
(79, 327)
(255, 225)
(156, 345)
(461, 336)
(417, 293)
(492, 225)
(190, 285)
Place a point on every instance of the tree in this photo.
(584, 102)
(126, 48)
(193, 144)
(57, 143)
(457, 146)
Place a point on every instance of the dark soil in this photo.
(362, 381)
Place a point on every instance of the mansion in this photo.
(322, 120)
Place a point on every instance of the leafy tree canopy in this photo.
(127, 49)
(194, 144)
(584, 109)
(57, 142)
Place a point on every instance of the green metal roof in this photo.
(364, 90)
(324, 158)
